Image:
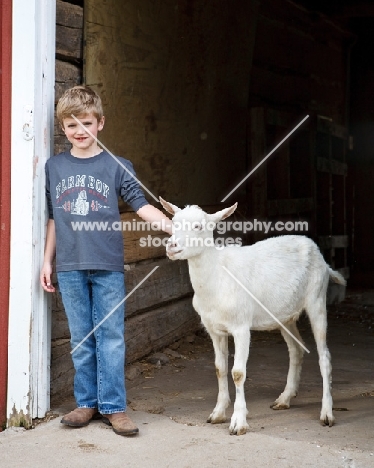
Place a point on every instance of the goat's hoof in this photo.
(239, 430)
(279, 406)
(218, 420)
(239, 425)
(327, 421)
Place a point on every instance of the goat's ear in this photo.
(169, 207)
(223, 214)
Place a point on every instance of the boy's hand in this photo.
(45, 278)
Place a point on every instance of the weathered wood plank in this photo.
(69, 42)
(60, 328)
(141, 244)
(67, 76)
(69, 15)
(62, 369)
(153, 330)
(60, 348)
(62, 388)
(145, 333)
(169, 282)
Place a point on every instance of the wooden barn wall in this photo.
(299, 68)
(299, 62)
(173, 76)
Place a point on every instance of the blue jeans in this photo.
(99, 361)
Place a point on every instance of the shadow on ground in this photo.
(180, 383)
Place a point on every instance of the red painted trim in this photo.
(5, 145)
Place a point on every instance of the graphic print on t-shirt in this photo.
(81, 205)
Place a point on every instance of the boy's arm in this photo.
(156, 217)
(49, 255)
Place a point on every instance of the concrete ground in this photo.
(170, 402)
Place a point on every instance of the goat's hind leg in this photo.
(318, 320)
(296, 354)
(220, 345)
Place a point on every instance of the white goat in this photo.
(286, 274)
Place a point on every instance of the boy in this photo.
(83, 184)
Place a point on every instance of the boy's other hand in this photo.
(45, 278)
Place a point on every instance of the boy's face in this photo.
(76, 133)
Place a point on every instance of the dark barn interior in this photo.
(196, 94)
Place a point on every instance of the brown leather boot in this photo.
(80, 417)
(121, 424)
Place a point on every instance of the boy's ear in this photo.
(101, 123)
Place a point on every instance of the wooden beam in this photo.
(291, 206)
(326, 125)
(333, 242)
(331, 166)
(258, 190)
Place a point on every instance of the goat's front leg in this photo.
(220, 344)
(239, 424)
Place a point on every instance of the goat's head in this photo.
(192, 229)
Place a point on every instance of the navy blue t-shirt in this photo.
(82, 196)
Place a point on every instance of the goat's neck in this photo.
(202, 267)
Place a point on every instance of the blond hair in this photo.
(77, 101)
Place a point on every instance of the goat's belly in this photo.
(264, 321)
(225, 317)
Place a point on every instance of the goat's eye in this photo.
(197, 226)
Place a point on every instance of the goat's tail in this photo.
(337, 277)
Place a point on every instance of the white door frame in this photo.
(33, 78)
